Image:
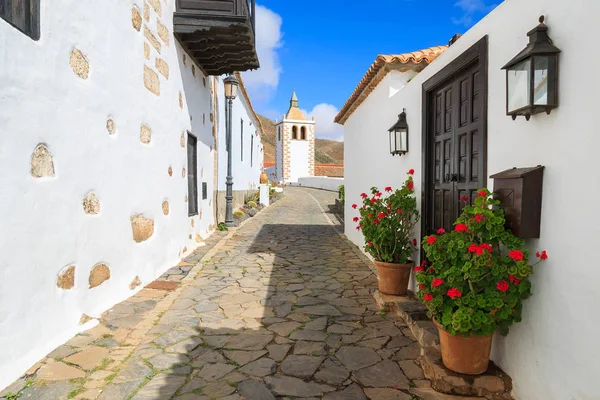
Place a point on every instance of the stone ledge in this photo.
(493, 385)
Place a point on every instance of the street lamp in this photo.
(231, 85)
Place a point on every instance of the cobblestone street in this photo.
(281, 307)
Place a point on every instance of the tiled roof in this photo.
(295, 113)
(417, 60)
(330, 170)
(245, 93)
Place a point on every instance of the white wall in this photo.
(43, 226)
(246, 174)
(279, 153)
(298, 159)
(553, 354)
(321, 182)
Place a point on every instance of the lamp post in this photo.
(231, 85)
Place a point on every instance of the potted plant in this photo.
(474, 282)
(387, 223)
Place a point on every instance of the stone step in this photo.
(430, 394)
(493, 385)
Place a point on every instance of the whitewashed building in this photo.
(457, 107)
(295, 145)
(110, 122)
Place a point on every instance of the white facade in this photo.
(553, 353)
(113, 112)
(321, 182)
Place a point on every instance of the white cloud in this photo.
(469, 9)
(325, 127)
(263, 82)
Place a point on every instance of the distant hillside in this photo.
(326, 151)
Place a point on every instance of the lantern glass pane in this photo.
(519, 85)
(392, 145)
(402, 136)
(540, 80)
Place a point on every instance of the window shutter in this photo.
(23, 15)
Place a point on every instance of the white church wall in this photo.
(540, 353)
(321, 182)
(89, 117)
(299, 156)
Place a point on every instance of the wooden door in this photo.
(455, 144)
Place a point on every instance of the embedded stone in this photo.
(79, 64)
(287, 386)
(58, 371)
(91, 204)
(384, 374)
(98, 275)
(156, 5)
(145, 134)
(84, 318)
(278, 351)
(135, 283)
(66, 278)
(312, 348)
(168, 360)
(355, 358)
(146, 12)
(251, 389)
(182, 140)
(152, 39)
(180, 100)
(151, 81)
(244, 357)
(332, 373)
(142, 227)
(301, 366)
(490, 383)
(413, 371)
(42, 164)
(162, 386)
(170, 171)
(165, 207)
(219, 390)
(387, 394)
(260, 368)
(136, 19)
(212, 372)
(110, 126)
(324, 309)
(146, 51)
(284, 328)
(88, 359)
(311, 336)
(162, 67)
(250, 341)
(352, 392)
(163, 32)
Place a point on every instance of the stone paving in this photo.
(281, 308)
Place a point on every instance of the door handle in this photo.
(454, 178)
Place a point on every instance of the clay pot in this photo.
(393, 278)
(465, 355)
(264, 178)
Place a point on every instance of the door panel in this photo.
(457, 164)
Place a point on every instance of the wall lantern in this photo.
(532, 76)
(399, 136)
(231, 85)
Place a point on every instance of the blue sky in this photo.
(322, 48)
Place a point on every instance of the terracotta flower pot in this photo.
(465, 355)
(393, 278)
(264, 178)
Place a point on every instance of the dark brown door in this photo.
(454, 144)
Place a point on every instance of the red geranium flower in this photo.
(411, 172)
(486, 246)
(514, 280)
(369, 215)
(389, 206)
(473, 248)
(399, 211)
(370, 244)
(419, 269)
(454, 293)
(378, 194)
(482, 193)
(437, 282)
(502, 286)
(516, 255)
(478, 218)
(375, 221)
(388, 189)
(461, 228)
(373, 200)
(428, 297)
(354, 206)
(381, 215)
(440, 231)
(421, 286)
(542, 255)
(358, 228)
(424, 263)
(464, 198)
(355, 219)
(431, 239)
(363, 195)
(410, 185)
(414, 242)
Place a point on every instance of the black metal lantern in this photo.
(399, 136)
(231, 85)
(532, 76)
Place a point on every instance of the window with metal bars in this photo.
(23, 15)
(192, 162)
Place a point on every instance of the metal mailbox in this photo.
(520, 193)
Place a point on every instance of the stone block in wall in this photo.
(91, 204)
(156, 5)
(145, 134)
(79, 64)
(66, 278)
(135, 283)
(163, 33)
(136, 19)
(111, 126)
(146, 51)
(152, 39)
(165, 207)
(151, 81)
(98, 275)
(42, 163)
(146, 12)
(141, 227)
(162, 67)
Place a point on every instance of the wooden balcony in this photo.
(219, 34)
